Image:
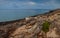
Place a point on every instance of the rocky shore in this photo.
(31, 27)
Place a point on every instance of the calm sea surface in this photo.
(7, 15)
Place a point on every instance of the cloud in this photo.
(29, 4)
(16, 5)
(52, 4)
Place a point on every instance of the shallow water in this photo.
(7, 15)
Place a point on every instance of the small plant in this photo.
(45, 27)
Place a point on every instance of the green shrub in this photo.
(45, 27)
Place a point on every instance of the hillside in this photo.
(31, 27)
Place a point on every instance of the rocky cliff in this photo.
(31, 27)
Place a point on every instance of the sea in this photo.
(15, 14)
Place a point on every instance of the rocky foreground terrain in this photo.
(31, 27)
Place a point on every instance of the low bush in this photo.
(45, 27)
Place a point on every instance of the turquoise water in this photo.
(7, 15)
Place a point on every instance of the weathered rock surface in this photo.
(31, 27)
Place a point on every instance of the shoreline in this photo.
(31, 25)
(13, 21)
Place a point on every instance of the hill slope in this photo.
(31, 27)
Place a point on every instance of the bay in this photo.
(15, 14)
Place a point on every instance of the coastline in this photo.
(17, 20)
(31, 26)
(12, 21)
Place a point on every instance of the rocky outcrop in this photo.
(31, 27)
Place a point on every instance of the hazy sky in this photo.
(29, 4)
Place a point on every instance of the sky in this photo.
(29, 4)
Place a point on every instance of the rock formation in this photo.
(31, 27)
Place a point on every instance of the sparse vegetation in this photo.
(45, 27)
